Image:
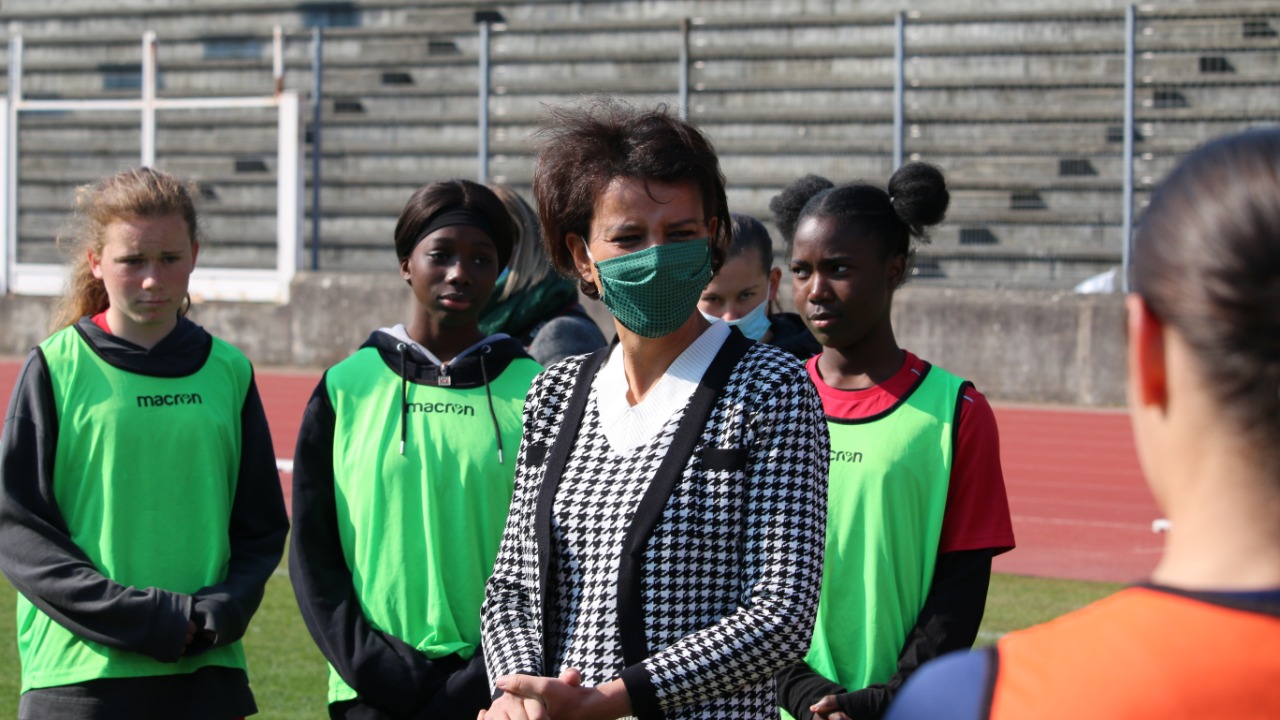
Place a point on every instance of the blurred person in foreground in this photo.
(744, 292)
(531, 301)
(1201, 638)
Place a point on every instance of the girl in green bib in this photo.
(403, 475)
(141, 512)
(916, 500)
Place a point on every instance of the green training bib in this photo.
(887, 494)
(420, 531)
(144, 475)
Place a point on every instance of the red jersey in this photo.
(977, 512)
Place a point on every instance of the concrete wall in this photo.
(1016, 345)
(24, 321)
(1020, 345)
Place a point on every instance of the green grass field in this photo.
(288, 672)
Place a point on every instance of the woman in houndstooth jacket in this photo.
(664, 550)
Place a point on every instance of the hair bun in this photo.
(918, 192)
(787, 205)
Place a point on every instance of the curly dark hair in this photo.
(582, 149)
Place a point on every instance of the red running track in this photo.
(1080, 507)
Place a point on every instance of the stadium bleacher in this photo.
(1019, 102)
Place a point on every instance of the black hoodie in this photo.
(791, 334)
(391, 678)
(38, 556)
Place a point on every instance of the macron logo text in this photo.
(845, 456)
(442, 407)
(149, 401)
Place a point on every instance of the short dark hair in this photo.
(583, 149)
(430, 200)
(917, 198)
(751, 234)
(1206, 259)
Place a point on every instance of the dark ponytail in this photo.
(1206, 259)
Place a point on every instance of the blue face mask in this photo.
(754, 324)
(653, 291)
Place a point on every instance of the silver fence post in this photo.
(10, 185)
(899, 87)
(277, 59)
(149, 99)
(317, 121)
(684, 68)
(289, 192)
(483, 149)
(485, 18)
(1126, 231)
(5, 207)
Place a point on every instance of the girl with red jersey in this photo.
(916, 500)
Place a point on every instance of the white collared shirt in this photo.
(628, 426)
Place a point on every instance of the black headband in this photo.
(457, 216)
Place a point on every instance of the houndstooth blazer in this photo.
(721, 564)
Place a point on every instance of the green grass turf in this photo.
(1016, 601)
(288, 672)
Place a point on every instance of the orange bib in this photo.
(1143, 654)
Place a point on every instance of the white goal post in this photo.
(207, 283)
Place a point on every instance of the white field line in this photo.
(1080, 523)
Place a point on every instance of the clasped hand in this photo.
(527, 697)
(828, 709)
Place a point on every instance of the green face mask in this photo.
(653, 291)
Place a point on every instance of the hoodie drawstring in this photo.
(404, 397)
(484, 374)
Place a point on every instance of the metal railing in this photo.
(208, 283)
(1052, 128)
